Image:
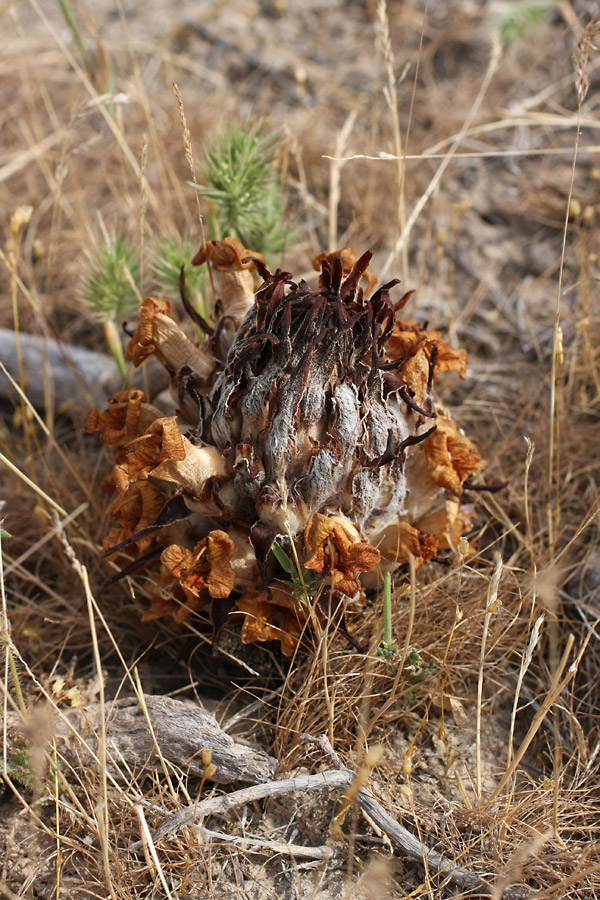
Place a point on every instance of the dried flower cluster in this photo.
(305, 416)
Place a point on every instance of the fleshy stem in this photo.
(387, 648)
(113, 340)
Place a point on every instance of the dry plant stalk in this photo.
(306, 417)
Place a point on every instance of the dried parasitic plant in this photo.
(305, 443)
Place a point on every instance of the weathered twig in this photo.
(337, 779)
(254, 843)
(436, 863)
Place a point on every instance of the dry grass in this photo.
(494, 757)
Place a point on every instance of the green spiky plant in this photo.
(243, 187)
(169, 256)
(113, 290)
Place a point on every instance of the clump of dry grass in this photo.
(494, 754)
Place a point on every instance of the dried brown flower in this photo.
(401, 540)
(234, 266)
(134, 510)
(206, 566)
(451, 456)
(158, 334)
(275, 618)
(305, 413)
(339, 551)
(127, 416)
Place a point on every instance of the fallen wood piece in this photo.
(436, 863)
(70, 377)
(326, 781)
(181, 731)
(324, 851)
(76, 375)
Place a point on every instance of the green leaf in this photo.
(282, 558)
(302, 586)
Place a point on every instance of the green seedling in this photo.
(304, 585)
(387, 648)
(18, 768)
(413, 672)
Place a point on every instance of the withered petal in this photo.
(158, 333)
(399, 541)
(451, 456)
(226, 254)
(320, 527)
(220, 548)
(143, 343)
(134, 509)
(220, 582)
(339, 551)
(234, 275)
(270, 621)
(447, 524)
(360, 557)
(127, 416)
(163, 441)
(344, 582)
(207, 566)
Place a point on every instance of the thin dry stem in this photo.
(491, 608)
(495, 57)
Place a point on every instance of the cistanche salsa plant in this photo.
(305, 417)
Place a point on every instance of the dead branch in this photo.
(326, 781)
(74, 372)
(414, 849)
(194, 814)
(71, 376)
(254, 843)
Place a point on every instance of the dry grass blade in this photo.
(494, 62)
